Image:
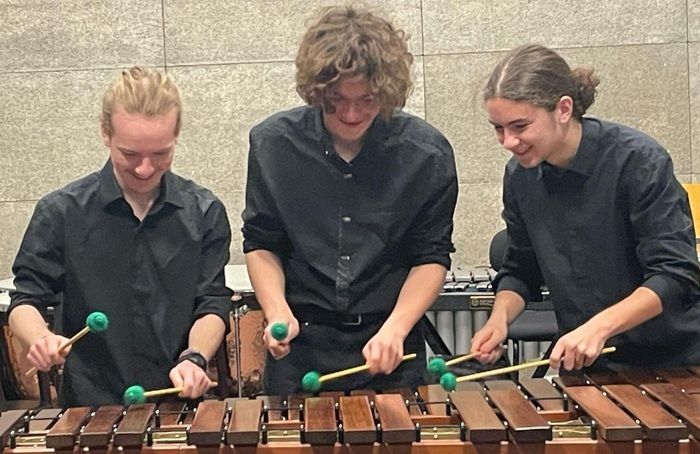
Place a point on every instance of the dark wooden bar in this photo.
(357, 419)
(681, 378)
(319, 421)
(63, 434)
(657, 423)
(132, 428)
(244, 427)
(613, 424)
(483, 426)
(524, 423)
(98, 432)
(208, 422)
(679, 402)
(9, 421)
(394, 419)
(545, 395)
(500, 384)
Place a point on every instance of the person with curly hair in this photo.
(348, 217)
(594, 211)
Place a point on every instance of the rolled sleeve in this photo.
(431, 237)
(662, 223)
(39, 265)
(213, 297)
(262, 227)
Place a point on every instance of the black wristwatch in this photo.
(193, 356)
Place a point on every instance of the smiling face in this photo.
(531, 133)
(141, 149)
(349, 110)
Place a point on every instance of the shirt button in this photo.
(346, 219)
(345, 258)
(347, 176)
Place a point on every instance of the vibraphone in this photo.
(632, 413)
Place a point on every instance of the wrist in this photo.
(194, 356)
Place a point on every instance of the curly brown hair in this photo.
(141, 90)
(350, 41)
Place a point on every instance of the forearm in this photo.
(206, 335)
(640, 306)
(267, 277)
(506, 307)
(27, 324)
(419, 291)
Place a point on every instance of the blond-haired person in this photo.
(349, 204)
(134, 241)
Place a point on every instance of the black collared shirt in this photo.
(153, 279)
(348, 233)
(615, 219)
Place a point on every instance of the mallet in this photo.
(312, 380)
(96, 322)
(438, 366)
(449, 380)
(137, 395)
(279, 330)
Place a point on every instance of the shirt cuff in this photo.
(513, 284)
(439, 259)
(666, 287)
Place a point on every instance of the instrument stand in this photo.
(238, 312)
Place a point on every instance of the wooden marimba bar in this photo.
(604, 413)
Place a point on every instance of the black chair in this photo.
(531, 325)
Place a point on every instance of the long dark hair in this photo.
(537, 75)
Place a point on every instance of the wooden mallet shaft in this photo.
(356, 369)
(461, 359)
(164, 391)
(505, 370)
(466, 357)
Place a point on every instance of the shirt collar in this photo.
(110, 191)
(373, 139)
(587, 154)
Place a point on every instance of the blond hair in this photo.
(350, 41)
(144, 91)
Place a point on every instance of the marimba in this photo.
(605, 413)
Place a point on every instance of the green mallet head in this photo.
(437, 367)
(311, 382)
(134, 395)
(279, 331)
(97, 322)
(448, 381)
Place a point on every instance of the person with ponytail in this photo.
(593, 210)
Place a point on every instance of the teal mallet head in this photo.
(311, 382)
(279, 331)
(97, 322)
(448, 381)
(134, 395)
(437, 367)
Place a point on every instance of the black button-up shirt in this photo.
(348, 233)
(153, 279)
(615, 219)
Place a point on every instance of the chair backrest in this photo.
(693, 190)
(497, 249)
